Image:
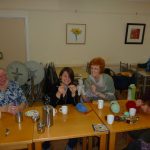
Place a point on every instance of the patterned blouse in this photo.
(13, 95)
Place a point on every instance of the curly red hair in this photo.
(98, 61)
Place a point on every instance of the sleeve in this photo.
(2, 100)
(68, 99)
(75, 99)
(110, 89)
(21, 97)
(87, 86)
(54, 101)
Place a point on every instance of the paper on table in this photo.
(99, 127)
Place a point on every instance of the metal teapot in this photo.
(48, 115)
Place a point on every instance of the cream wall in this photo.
(16, 49)
(105, 21)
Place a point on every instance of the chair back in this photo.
(124, 66)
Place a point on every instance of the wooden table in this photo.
(79, 71)
(117, 127)
(72, 125)
(20, 134)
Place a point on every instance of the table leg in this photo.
(112, 141)
(38, 145)
(84, 143)
(30, 146)
(102, 142)
(90, 143)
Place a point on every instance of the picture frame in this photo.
(75, 33)
(135, 33)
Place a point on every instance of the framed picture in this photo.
(134, 33)
(75, 33)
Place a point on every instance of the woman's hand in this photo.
(99, 94)
(73, 89)
(13, 109)
(139, 102)
(61, 91)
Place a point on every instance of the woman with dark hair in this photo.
(65, 91)
(99, 85)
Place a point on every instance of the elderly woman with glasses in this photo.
(12, 99)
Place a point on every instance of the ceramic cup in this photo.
(54, 111)
(132, 112)
(63, 109)
(110, 119)
(100, 104)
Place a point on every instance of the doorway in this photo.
(12, 40)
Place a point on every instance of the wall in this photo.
(12, 48)
(106, 25)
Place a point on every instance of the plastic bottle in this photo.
(131, 92)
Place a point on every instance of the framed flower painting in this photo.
(135, 33)
(75, 33)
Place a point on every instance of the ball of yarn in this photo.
(115, 107)
(81, 107)
(130, 104)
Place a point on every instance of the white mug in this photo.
(63, 109)
(132, 112)
(110, 119)
(100, 104)
(54, 111)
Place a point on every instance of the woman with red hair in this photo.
(99, 85)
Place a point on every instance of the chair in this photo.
(143, 80)
(122, 80)
(123, 67)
